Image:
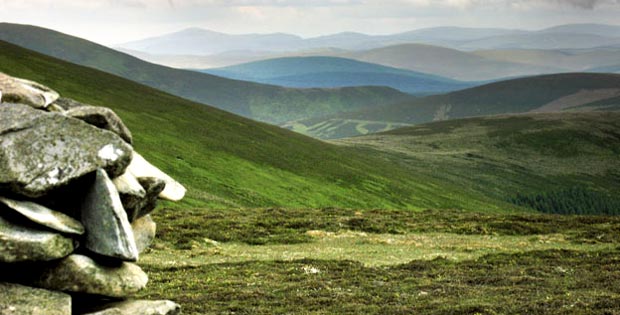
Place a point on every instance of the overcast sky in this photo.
(116, 21)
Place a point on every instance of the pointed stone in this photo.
(140, 167)
(16, 90)
(19, 243)
(128, 184)
(22, 300)
(103, 118)
(81, 274)
(37, 155)
(108, 232)
(139, 207)
(131, 192)
(39, 214)
(144, 231)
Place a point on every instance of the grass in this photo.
(437, 262)
(503, 156)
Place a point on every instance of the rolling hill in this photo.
(261, 102)
(327, 72)
(567, 60)
(502, 156)
(560, 92)
(446, 62)
(229, 161)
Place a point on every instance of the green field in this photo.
(334, 261)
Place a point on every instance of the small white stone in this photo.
(53, 176)
(108, 152)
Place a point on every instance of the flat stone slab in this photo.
(140, 167)
(41, 151)
(140, 307)
(16, 90)
(39, 214)
(109, 232)
(20, 244)
(103, 118)
(22, 300)
(81, 274)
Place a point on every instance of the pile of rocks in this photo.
(74, 207)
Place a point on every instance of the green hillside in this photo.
(229, 161)
(266, 103)
(555, 155)
(557, 92)
(319, 71)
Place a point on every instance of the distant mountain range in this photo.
(308, 72)
(262, 102)
(463, 54)
(197, 41)
(548, 93)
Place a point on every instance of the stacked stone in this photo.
(75, 200)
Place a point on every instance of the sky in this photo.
(112, 22)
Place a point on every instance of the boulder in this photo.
(22, 300)
(44, 216)
(103, 118)
(81, 274)
(19, 243)
(41, 151)
(140, 167)
(139, 207)
(108, 229)
(15, 90)
(140, 307)
(144, 230)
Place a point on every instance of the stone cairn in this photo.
(74, 207)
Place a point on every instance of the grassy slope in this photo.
(229, 161)
(511, 96)
(261, 102)
(505, 155)
(316, 71)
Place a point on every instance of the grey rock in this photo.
(16, 90)
(81, 274)
(144, 231)
(108, 230)
(128, 184)
(41, 151)
(22, 300)
(139, 207)
(103, 118)
(140, 307)
(64, 103)
(19, 243)
(140, 167)
(44, 216)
